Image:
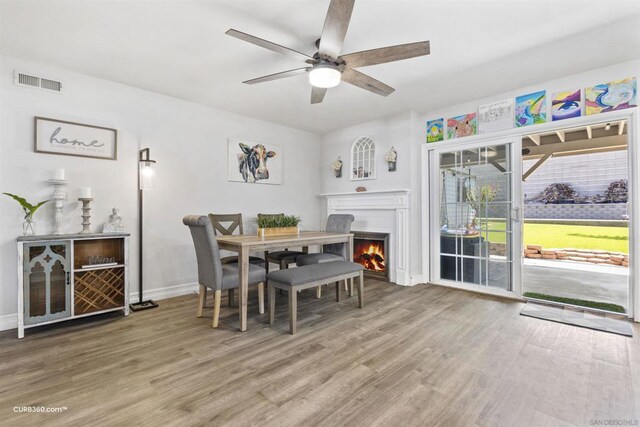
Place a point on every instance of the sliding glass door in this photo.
(475, 216)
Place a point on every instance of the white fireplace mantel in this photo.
(383, 211)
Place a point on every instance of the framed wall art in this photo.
(461, 126)
(531, 109)
(254, 162)
(435, 130)
(53, 136)
(495, 116)
(566, 105)
(612, 96)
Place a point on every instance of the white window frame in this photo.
(365, 155)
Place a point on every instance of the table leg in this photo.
(350, 249)
(243, 296)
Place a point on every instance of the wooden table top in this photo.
(309, 237)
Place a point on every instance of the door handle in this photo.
(68, 278)
(515, 213)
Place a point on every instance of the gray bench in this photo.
(311, 276)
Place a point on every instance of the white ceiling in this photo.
(179, 48)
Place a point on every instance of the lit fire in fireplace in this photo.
(370, 253)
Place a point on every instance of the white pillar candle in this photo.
(59, 174)
(85, 193)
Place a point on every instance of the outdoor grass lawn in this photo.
(613, 239)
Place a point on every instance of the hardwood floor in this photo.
(423, 355)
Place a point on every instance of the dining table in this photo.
(244, 244)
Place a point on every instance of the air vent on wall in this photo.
(29, 80)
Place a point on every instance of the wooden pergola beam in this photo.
(497, 165)
(535, 166)
(578, 146)
(535, 139)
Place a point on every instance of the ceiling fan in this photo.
(327, 67)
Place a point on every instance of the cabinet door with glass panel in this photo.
(47, 286)
(476, 216)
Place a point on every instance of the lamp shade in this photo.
(147, 170)
(325, 75)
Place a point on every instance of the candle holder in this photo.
(86, 215)
(59, 195)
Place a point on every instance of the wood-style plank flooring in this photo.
(423, 355)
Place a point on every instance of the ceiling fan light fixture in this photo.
(325, 75)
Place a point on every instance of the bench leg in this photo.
(351, 283)
(338, 291)
(261, 297)
(293, 310)
(272, 303)
(217, 296)
(319, 292)
(360, 290)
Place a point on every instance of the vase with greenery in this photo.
(29, 226)
(336, 165)
(391, 158)
(278, 225)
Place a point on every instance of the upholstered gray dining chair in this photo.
(226, 225)
(282, 258)
(212, 273)
(336, 223)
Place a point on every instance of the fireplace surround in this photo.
(381, 211)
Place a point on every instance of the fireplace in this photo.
(371, 251)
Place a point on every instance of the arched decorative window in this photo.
(363, 159)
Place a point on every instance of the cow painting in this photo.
(251, 163)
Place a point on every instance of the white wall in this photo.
(393, 131)
(188, 141)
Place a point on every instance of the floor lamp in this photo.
(146, 180)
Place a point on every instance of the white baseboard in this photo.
(416, 279)
(164, 293)
(10, 321)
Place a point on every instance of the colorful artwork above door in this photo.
(435, 130)
(616, 95)
(495, 116)
(464, 125)
(531, 109)
(566, 105)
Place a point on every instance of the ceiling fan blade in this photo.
(335, 28)
(267, 44)
(317, 94)
(386, 54)
(277, 76)
(363, 81)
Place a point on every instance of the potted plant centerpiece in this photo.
(29, 227)
(278, 225)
